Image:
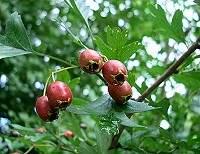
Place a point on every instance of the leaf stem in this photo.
(52, 75)
(171, 70)
(54, 58)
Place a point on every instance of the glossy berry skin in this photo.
(121, 93)
(68, 134)
(59, 95)
(90, 61)
(44, 110)
(114, 72)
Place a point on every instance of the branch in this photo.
(172, 69)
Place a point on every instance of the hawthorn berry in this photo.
(44, 109)
(114, 72)
(59, 95)
(68, 134)
(120, 93)
(90, 61)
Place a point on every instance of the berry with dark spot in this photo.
(120, 93)
(114, 72)
(90, 61)
(59, 95)
(44, 109)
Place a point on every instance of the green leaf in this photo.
(124, 120)
(86, 149)
(16, 41)
(81, 10)
(186, 62)
(177, 25)
(63, 76)
(164, 105)
(109, 123)
(131, 78)
(101, 106)
(166, 135)
(103, 140)
(160, 17)
(74, 125)
(108, 109)
(8, 51)
(74, 82)
(77, 106)
(189, 79)
(173, 30)
(116, 38)
(23, 130)
(40, 137)
(127, 51)
(105, 50)
(117, 49)
(134, 107)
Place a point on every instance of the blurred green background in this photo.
(22, 78)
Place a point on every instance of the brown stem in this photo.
(172, 69)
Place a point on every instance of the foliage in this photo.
(41, 38)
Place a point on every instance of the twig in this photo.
(168, 72)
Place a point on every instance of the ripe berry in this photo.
(90, 61)
(121, 93)
(68, 134)
(59, 95)
(44, 110)
(114, 72)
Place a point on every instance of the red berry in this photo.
(59, 95)
(90, 61)
(68, 134)
(121, 93)
(114, 72)
(44, 110)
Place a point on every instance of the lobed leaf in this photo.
(105, 50)
(173, 30)
(160, 17)
(131, 78)
(177, 25)
(189, 79)
(127, 51)
(116, 38)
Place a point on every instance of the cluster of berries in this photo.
(58, 98)
(114, 73)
